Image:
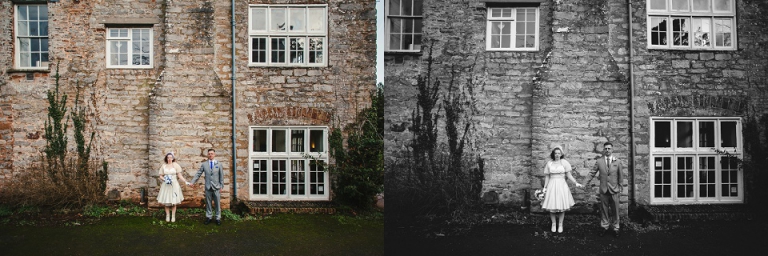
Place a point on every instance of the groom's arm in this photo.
(592, 174)
(197, 175)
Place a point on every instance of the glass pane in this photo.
(297, 50)
(395, 26)
(394, 7)
(706, 134)
(277, 23)
(662, 132)
(32, 11)
(407, 7)
(23, 15)
(297, 141)
(43, 12)
(316, 20)
(680, 31)
(33, 28)
(685, 134)
(43, 28)
(658, 31)
(701, 5)
(259, 19)
(658, 4)
(35, 59)
(259, 140)
(679, 5)
(530, 28)
(278, 50)
(701, 35)
(408, 26)
(520, 14)
(723, 29)
(530, 15)
(278, 140)
(723, 5)
(317, 141)
(298, 19)
(530, 41)
(394, 42)
(417, 26)
(728, 134)
(417, 7)
(35, 45)
(23, 28)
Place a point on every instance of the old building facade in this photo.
(668, 82)
(157, 77)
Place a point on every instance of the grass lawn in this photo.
(281, 234)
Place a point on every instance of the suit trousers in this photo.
(609, 210)
(212, 195)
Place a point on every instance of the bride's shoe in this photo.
(167, 218)
(560, 228)
(554, 227)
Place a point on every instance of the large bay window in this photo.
(691, 24)
(685, 165)
(287, 35)
(288, 163)
(31, 36)
(512, 29)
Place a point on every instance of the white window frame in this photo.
(418, 24)
(712, 16)
(262, 30)
(18, 38)
(512, 19)
(128, 38)
(306, 156)
(674, 152)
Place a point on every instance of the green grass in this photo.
(281, 234)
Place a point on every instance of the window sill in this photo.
(28, 70)
(691, 49)
(401, 53)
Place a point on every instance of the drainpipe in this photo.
(234, 134)
(631, 168)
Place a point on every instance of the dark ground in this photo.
(279, 234)
(528, 234)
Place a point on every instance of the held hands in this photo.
(578, 185)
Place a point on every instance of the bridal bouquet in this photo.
(167, 179)
(539, 194)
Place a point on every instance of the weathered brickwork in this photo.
(183, 104)
(574, 92)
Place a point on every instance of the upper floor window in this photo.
(129, 48)
(288, 35)
(31, 34)
(692, 24)
(403, 25)
(512, 29)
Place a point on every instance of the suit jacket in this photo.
(610, 176)
(214, 178)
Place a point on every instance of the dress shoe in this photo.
(207, 220)
(560, 229)
(602, 234)
(616, 233)
(554, 227)
(218, 222)
(167, 218)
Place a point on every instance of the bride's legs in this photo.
(554, 224)
(560, 216)
(173, 214)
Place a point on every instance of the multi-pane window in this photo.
(31, 33)
(692, 24)
(129, 48)
(685, 164)
(288, 163)
(512, 29)
(288, 35)
(404, 23)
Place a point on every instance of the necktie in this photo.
(211, 162)
(608, 161)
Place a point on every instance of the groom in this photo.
(610, 189)
(214, 182)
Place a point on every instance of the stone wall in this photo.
(183, 103)
(574, 92)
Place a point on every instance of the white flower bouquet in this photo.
(539, 194)
(167, 179)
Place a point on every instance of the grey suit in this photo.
(214, 182)
(610, 191)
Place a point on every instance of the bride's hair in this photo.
(552, 154)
